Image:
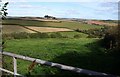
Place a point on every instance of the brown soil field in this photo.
(30, 29)
(47, 29)
(15, 28)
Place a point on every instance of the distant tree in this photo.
(53, 18)
(49, 17)
(3, 11)
(46, 16)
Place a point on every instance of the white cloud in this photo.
(109, 7)
(14, 1)
(60, 0)
(26, 6)
(105, 8)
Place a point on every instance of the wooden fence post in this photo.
(15, 66)
(0, 45)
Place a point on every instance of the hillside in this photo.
(57, 41)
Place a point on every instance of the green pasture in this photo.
(84, 53)
(74, 49)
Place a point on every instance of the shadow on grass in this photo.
(96, 60)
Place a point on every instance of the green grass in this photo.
(83, 52)
(43, 46)
(62, 24)
(80, 52)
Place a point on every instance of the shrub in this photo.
(94, 32)
(77, 36)
(21, 35)
(56, 35)
(91, 36)
(77, 30)
(6, 36)
(24, 35)
(43, 35)
(33, 35)
(110, 39)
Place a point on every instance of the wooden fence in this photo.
(57, 65)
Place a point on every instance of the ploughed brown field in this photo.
(31, 29)
(15, 28)
(47, 29)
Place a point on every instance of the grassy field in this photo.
(83, 52)
(76, 49)
(62, 24)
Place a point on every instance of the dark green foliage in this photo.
(110, 36)
(38, 35)
(24, 35)
(49, 17)
(78, 30)
(77, 36)
(110, 40)
(93, 33)
(118, 35)
(91, 36)
(55, 35)
(3, 11)
(21, 35)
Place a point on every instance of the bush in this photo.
(21, 35)
(33, 35)
(94, 32)
(39, 35)
(56, 35)
(24, 35)
(110, 39)
(43, 35)
(77, 30)
(77, 36)
(7, 36)
(91, 36)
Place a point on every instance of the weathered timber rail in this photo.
(57, 65)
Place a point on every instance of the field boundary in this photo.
(30, 29)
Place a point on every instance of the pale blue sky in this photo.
(87, 10)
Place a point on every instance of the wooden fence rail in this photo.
(60, 66)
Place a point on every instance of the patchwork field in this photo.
(15, 29)
(47, 29)
(30, 29)
(63, 24)
(59, 43)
